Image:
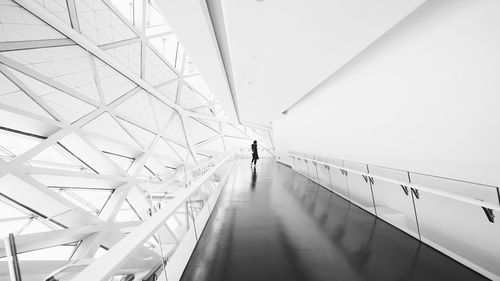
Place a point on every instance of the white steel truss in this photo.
(102, 112)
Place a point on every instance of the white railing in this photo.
(455, 217)
(172, 230)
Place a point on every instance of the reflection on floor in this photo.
(274, 224)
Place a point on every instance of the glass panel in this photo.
(339, 181)
(201, 219)
(460, 230)
(216, 192)
(394, 203)
(68, 65)
(296, 164)
(12, 144)
(180, 257)
(126, 8)
(129, 56)
(53, 253)
(20, 25)
(305, 168)
(323, 173)
(100, 24)
(301, 166)
(178, 223)
(314, 171)
(311, 168)
(359, 188)
(472, 190)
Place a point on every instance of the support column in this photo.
(10, 247)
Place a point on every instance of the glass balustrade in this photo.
(442, 215)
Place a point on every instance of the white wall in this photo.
(425, 97)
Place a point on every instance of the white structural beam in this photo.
(114, 203)
(96, 51)
(122, 18)
(30, 93)
(73, 15)
(49, 141)
(92, 48)
(68, 157)
(34, 44)
(43, 78)
(116, 257)
(193, 27)
(31, 115)
(31, 270)
(134, 265)
(189, 142)
(26, 191)
(91, 155)
(89, 246)
(139, 202)
(120, 43)
(35, 241)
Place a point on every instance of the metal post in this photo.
(371, 189)
(307, 166)
(330, 176)
(317, 173)
(347, 183)
(192, 217)
(11, 251)
(414, 209)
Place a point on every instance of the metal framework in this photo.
(102, 114)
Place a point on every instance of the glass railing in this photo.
(169, 234)
(455, 217)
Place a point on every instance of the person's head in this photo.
(254, 142)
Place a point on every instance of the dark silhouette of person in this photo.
(255, 155)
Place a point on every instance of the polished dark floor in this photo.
(274, 224)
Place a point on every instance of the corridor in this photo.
(274, 224)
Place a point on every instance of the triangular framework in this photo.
(100, 24)
(17, 24)
(96, 119)
(12, 95)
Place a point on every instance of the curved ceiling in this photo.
(274, 52)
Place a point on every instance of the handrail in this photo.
(461, 198)
(103, 268)
(413, 172)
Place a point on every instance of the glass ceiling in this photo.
(89, 125)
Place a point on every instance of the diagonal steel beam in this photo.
(34, 44)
